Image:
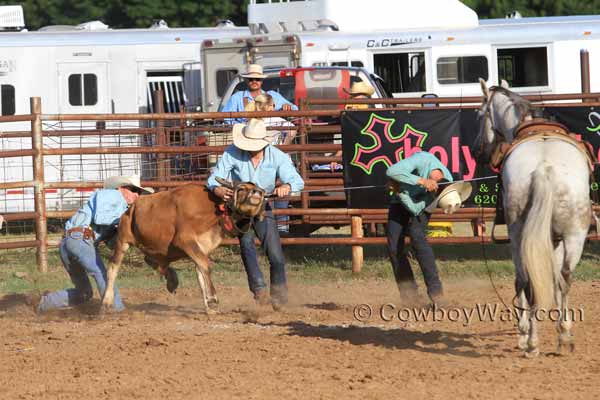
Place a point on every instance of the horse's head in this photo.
(500, 113)
(248, 200)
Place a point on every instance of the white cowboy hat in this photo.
(451, 198)
(115, 182)
(251, 137)
(361, 88)
(254, 71)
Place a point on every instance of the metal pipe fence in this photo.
(59, 153)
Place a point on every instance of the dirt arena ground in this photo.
(164, 347)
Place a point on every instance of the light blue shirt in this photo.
(407, 172)
(236, 165)
(101, 213)
(236, 103)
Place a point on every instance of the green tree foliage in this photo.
(131, 13)
(533, 8)
(187, 13)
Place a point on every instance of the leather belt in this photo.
(87, 232)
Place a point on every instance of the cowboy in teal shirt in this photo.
(418, 178)
(409, 173)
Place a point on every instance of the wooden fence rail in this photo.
(330, 182)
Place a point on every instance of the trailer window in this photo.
(453, 70)
(83, 89)
(224, 76)
(7, 99)
(347, 64)
(402, 72)
(524, 66)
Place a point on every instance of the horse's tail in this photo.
(536, 240)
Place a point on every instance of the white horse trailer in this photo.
(418, 47)
(91, 69)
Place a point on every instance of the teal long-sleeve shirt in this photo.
(407, 172)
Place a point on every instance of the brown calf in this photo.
(170, 225)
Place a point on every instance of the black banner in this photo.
(372, 142)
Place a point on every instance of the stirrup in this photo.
(496, 240)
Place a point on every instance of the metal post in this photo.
(584, 57)
(357, 251)
(37, 142)
(302, 131)
(161, 137)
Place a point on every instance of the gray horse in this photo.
(547, 209)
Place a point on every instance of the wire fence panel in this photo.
(80, 152)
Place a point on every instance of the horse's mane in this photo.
(524, 106)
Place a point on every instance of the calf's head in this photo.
(248, 200)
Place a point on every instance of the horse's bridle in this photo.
(487, 114)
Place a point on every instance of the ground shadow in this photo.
(434, 342)
(464, 252)
(11, 301)
(328, 306)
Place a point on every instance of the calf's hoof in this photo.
(172, 279)
(211, 311)
(213, 302)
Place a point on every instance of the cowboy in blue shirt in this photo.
(252, 158)
(95, 222)
(254, 78)
(417, 180)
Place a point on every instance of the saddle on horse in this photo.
(530, 130)
(541, 129)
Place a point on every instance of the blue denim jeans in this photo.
(267, 233)
(80, 258)
(401, 223)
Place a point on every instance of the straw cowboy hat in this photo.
(361, 88)
(451, 198)
(115, 182)
(251, 137)
(254, 71)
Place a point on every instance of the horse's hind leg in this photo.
(573, 248)
(521, 288)
(523, 319)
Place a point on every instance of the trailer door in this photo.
(83, 88)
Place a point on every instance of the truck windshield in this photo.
(311, 84)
